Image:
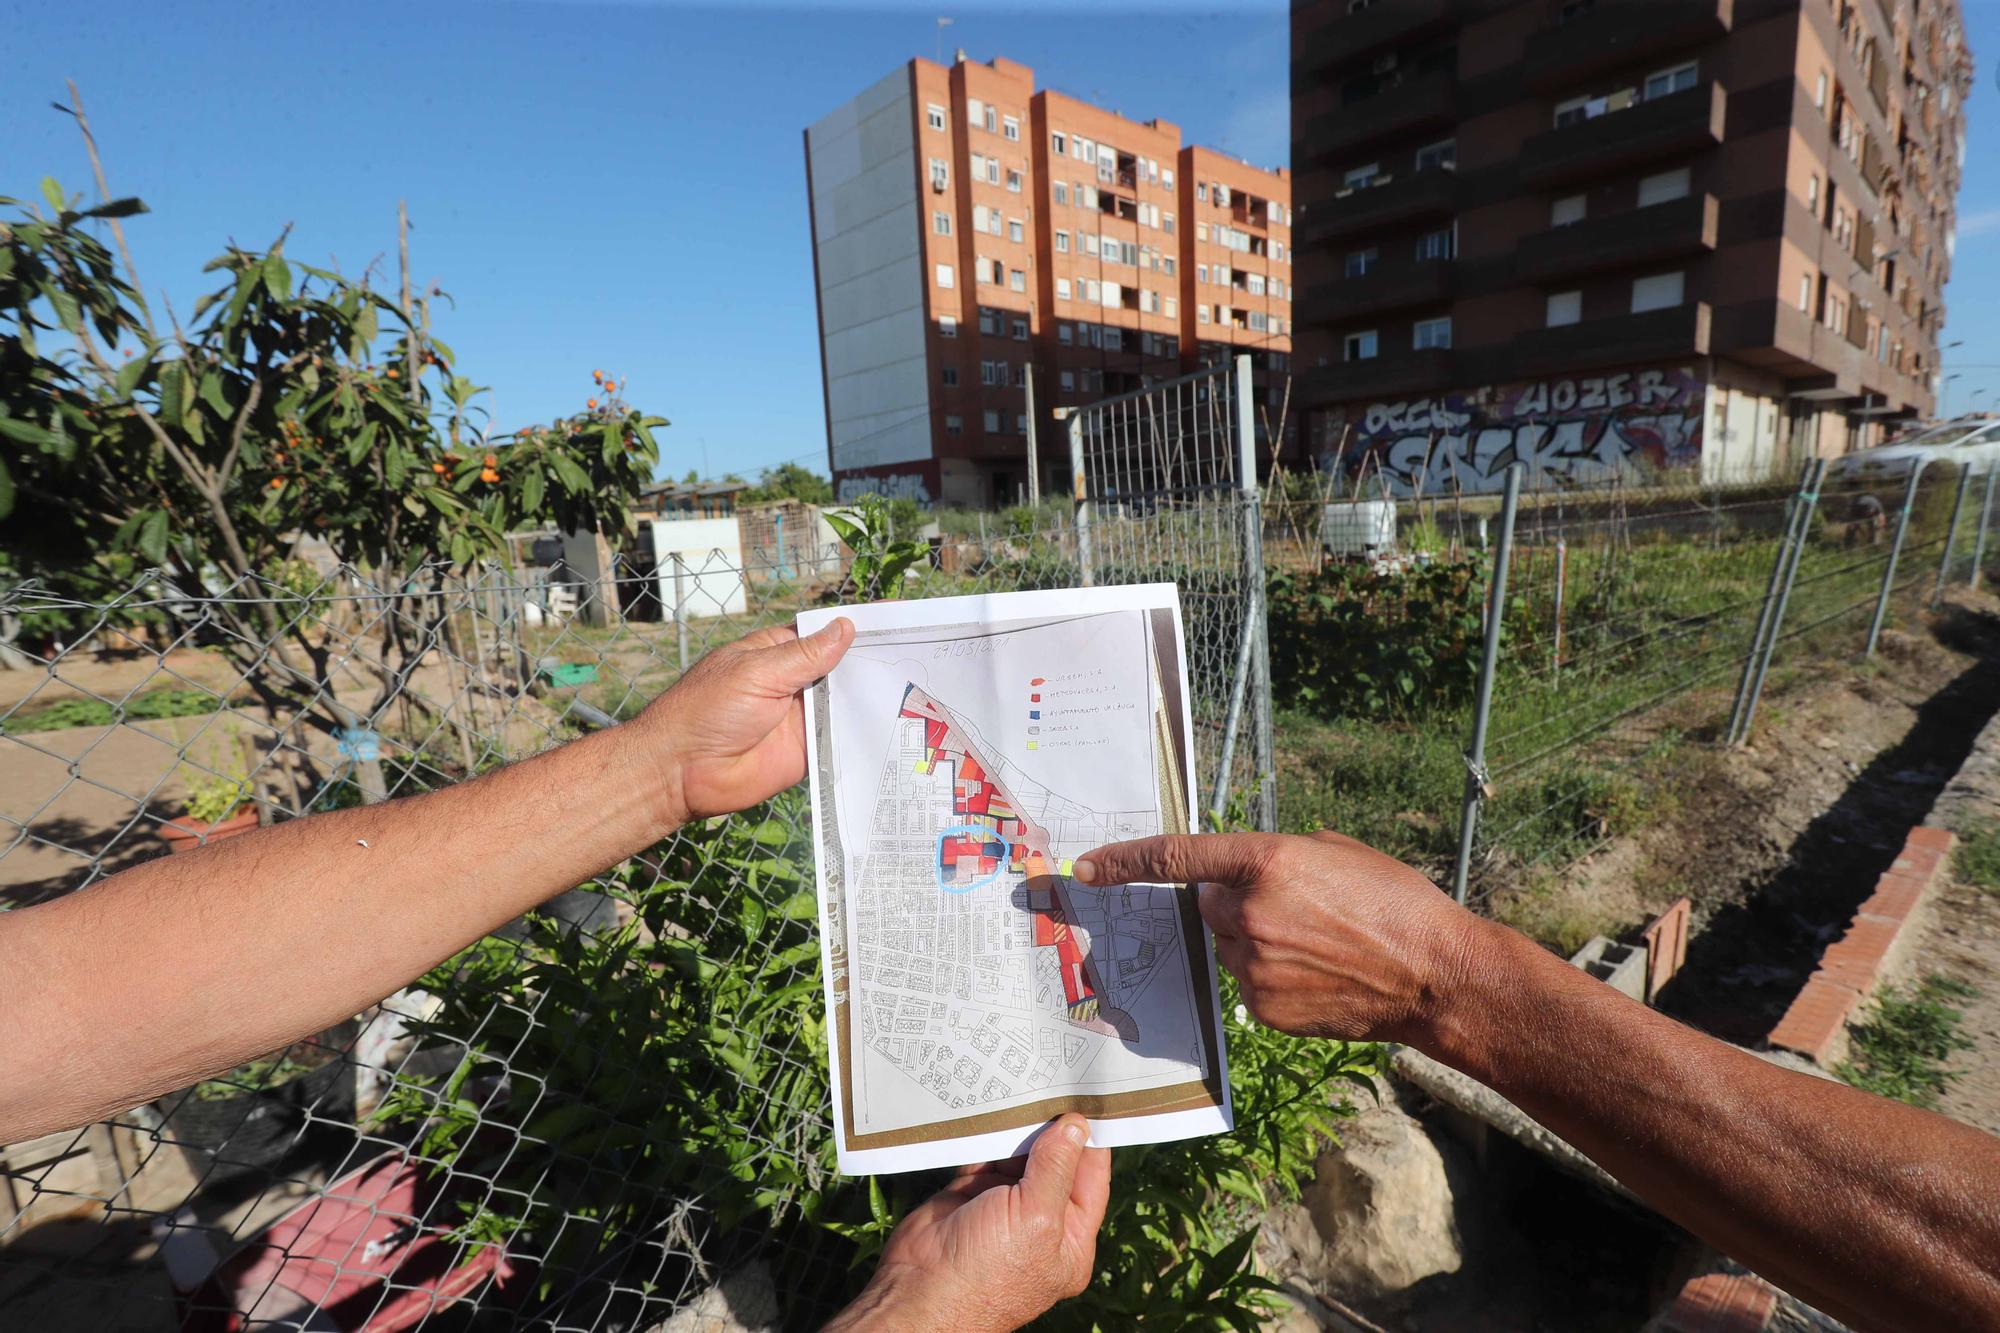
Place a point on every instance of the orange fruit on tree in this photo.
(277, 483)
(488, 475)
(590, 403)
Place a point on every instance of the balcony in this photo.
(1404, 197)
(1418, 283)
(1669, 126)
(1426, 101)
(1434, 368)
(1641, 236)
(1620, 32)
(1347, 40)
(1655, 335)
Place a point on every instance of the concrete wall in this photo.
(711, 552)
(866, 216)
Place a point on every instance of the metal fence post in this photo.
(1808, 500)
(1895, 553)
(680, 609)
(1489, 659)
(1792, 509)
(1951, 536)
(1080, 492)
(1979, 533)
(1254, 628)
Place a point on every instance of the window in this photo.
(989, 117)
(1812, 194)
(1062, 290)
(1670, 81)
(935, 116)
(1014, 181)
(1443, 154)
(954, 424)
(1201, 231)
(941, 223)
(1020, 328)
(1357, 177)
(992, 421)
(992, 372)
(940, 174)
(1017, 280)
(975, 112)
(992, 171)
(1201, 273)
(1063, 334)
(1090, 243)
(1254, 283)
(947, 326)
(1221, 274)
(1167, 223)
(1062, 242)
(1564, 308)
(1010, 128)
(1819, 92)
(1201, 314)
(989, 320)
(949, 375)
(1166, 265)
(944, 275)
(1056, 141)
(1201, 191)
(999, 273)
(1431, 333)
(1062, 193)
(1657, 292)
(1573, 111)
(1014, 232)
(1020, 423)
(1805, 293)
(1172, 311)
(1360, 346)
(1361, 261)
(1068, 379)
(1439, 244)
(1167, 178)
(1663, 187)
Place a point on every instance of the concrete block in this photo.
(1620, 966)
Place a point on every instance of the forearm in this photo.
(1877, 1212)
(189, 965)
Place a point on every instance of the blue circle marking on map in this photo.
(978, 831)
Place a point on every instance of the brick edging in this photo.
(1816, 1024)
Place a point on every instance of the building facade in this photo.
(1616, 234)
(970, 230)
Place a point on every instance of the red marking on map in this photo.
(981, 799)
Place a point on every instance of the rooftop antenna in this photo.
(942, 24)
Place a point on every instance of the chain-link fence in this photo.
(1638, 619)
(555, 1129)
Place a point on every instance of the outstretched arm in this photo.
(189, 965)
(1880, 1214)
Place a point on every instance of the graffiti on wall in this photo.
(1580, 428)
(902, 486)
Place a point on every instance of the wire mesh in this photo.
(1632, 613)
(553, 1130)
(1168, 494)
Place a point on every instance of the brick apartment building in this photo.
(1581, 232)
(966, 226)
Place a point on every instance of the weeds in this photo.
(1977, 860)
(67, 713)
(1901, 1047)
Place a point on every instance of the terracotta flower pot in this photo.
(187, 832)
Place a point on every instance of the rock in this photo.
(1380, 1208)
(746, 1301)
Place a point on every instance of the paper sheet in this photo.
(962, 756)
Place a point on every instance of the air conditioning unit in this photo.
(937, 186)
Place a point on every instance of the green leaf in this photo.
(53, 192)
(171, 387)
(153, 537)
(131, 373)
(574, 479)
(27, 432)
(66, 309)
(116, 208)
(6, 490)
(533, 485)
(278, 275)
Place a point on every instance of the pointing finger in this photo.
(1179, 858)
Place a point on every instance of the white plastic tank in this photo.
(1358, 529)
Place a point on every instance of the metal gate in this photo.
(1165, 483)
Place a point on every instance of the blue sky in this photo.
(621, 185)
(596, 185)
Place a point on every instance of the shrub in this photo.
(1977, 860)
(1900, 1047)
(1347, 641)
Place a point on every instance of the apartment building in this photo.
(968, 227)
(1592, 234)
